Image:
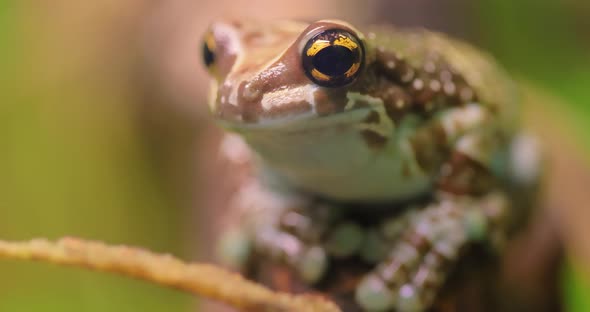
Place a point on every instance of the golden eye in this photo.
(333, 58)
(209, 50)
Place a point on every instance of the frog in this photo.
(401, 147)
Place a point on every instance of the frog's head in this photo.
(300, 96)
(281, 73)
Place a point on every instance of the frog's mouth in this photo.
(310, 122)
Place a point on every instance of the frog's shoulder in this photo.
(490, 81)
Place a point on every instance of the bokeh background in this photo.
(104, 132)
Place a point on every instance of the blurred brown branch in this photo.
(200, 279)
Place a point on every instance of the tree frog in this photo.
(397, 147)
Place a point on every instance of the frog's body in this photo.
(383, 116)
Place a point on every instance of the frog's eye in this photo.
(333, 58)
(209, 50)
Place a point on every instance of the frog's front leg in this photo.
(417, 265)
(284, 227)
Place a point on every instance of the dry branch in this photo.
(200, 279)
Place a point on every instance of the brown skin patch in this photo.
(430, 146)
(373, 118)
(418, 241)
(373, 139)
(393, 67)
(394, 272)
(292, 108)
(428, 88)
(396, 100)
(421, 91)
(462, 175)
(329, 101)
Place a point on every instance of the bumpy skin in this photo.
(406, 166)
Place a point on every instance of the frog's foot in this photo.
(308, 259)
(296, 239)
(289, 238)
(234, 248)
(238, 245)
(420, 259)
(283, 227)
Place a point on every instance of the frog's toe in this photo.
(374, 295)
(419, 293)
(234, 249)
(409, 299)
(313, 264)
(310, 261)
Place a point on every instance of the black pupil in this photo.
(333, 60)
(208, 56)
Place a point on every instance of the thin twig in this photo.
(200, 279)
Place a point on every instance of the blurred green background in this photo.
(91, 145)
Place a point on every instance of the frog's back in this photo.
(491, 84)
